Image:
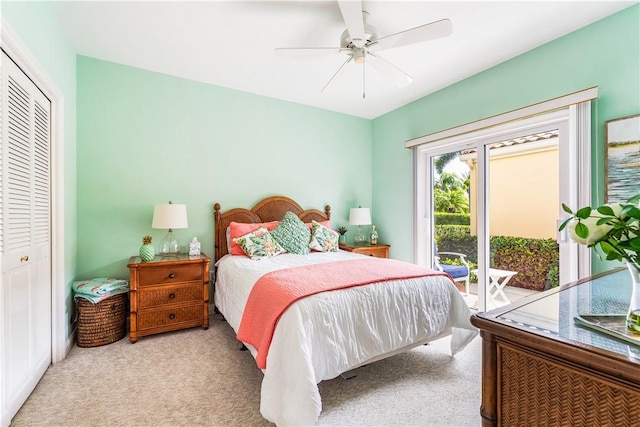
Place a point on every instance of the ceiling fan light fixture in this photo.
(360, 40)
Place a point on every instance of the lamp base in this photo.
(169, 245)
(359, 238)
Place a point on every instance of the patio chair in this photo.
(459, 273)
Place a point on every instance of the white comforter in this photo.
(324, 335)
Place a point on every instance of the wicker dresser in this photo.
(540, 368)
(167, 294)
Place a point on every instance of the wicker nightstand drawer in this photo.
(169, 316)
(173, 274)
(152, 297)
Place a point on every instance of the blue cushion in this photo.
(455, 270)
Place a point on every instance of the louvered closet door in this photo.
(24, 237)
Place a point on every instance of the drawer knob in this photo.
(172, 275)
(172, 296)
(172, 316)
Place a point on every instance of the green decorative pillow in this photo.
(323, 239)
(292, 234)
(259, 244)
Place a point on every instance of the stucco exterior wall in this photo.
(523, 191)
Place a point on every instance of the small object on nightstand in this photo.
(147, 251)
(194, 247)
(374, 235)
(342, 230)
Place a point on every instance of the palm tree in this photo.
(442, 161)
(452, 201)
(449, 181)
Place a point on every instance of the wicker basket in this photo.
(101, 323)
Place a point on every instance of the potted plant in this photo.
(615, 229)
(342, 230)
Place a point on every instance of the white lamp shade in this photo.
(360, 216)
(169, 216)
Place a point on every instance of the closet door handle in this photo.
(24, 258)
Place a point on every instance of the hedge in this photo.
(445, 218)
(533, 259)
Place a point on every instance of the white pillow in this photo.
(323, 239)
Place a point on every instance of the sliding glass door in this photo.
(523, 197)
(490, 203)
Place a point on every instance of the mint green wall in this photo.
(146, 138)
(37, 26)
(604, 54)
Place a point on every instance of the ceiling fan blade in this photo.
(353, 19)
(400, 78)
(433, 30)
(305, 51)
(337, 73)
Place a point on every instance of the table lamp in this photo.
(169, 216)
(359, 216)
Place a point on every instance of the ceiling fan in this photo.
(360, 42)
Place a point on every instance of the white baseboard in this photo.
(68, 345)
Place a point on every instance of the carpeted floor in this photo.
(200, 378)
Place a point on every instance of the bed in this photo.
(323, 335)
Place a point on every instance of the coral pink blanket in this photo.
(274, 292)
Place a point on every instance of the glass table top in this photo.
(553, 313)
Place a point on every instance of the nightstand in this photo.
(380, 251)
(168, 293)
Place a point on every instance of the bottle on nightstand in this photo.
(374, 235)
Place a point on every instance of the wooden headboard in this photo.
(269, 209)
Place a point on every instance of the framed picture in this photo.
(622, 160)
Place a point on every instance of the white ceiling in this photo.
(231, 43)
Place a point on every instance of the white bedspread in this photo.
(322, 336)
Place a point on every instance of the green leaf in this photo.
(634, 213)
(612, 256)
(567, 209)
(584, 213)
(582, 230)
(635, 243)
(634, 199)
(606, 210)
(564, 224)
(606, 247)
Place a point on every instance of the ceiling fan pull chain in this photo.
(363, 79)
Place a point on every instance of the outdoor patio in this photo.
(513, 294)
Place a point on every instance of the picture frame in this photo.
(622, 158)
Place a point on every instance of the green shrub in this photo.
(553, 277)
(533, 259)
(445, 218)
(457, 238)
